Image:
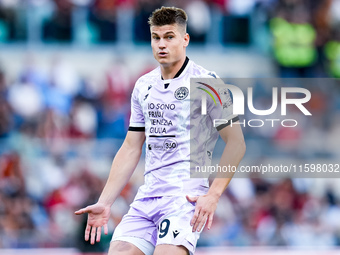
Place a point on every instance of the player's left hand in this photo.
(204, 211)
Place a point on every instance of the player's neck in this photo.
(169, 71)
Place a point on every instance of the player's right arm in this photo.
(122, 168)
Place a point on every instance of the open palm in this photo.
(98, 217)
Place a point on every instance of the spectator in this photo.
(59, 27)
(295, 54)
(103, 16)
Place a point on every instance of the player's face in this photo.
(168, 43)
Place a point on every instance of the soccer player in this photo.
(170, 209)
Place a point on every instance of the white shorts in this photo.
(155, 221)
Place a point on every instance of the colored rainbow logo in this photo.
(209, 93)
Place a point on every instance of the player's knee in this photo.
(123, 248)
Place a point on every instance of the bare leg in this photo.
(169, 249)
(123, 248)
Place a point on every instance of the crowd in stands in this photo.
(303, 35)
(59, 131)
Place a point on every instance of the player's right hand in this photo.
(97, 217)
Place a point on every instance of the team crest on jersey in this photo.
(181, 93)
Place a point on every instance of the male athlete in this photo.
(170, 209)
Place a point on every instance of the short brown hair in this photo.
(168, 16)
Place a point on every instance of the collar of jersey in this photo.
(180, 71)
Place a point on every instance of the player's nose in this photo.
(161, 44)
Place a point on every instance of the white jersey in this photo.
(172, 120)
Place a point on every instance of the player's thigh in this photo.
(169, 249)
(123, 248)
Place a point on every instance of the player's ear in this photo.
(186, 39)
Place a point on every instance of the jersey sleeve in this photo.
(137, 122)
(221, 109)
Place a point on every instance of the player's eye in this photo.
(155, 37)
(170, 37)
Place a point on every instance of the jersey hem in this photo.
(139, 129)
(220, 127)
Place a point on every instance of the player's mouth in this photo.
(162, 54)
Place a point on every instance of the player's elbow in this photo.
(242, 146)
(132, 150)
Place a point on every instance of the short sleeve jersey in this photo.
(165, 111)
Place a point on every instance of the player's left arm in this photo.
(232, 155)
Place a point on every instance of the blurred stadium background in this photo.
(67, 69)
